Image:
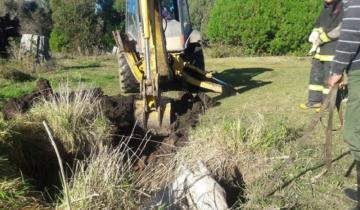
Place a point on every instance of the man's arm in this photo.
(335, 33)
(349, 40)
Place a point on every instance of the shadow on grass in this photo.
(15, 75)
(85, 66)
(2, 101)
(242, 79)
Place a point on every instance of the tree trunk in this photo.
(35, 46)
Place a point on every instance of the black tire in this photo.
(194, 54)
(128, 82)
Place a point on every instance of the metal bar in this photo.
(203, 84)
(222, 82)
(147, 60)
(203, 72)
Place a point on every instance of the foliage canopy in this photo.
(263, 27)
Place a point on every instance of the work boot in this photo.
(351, 194)
(310, 105)
(355, 194)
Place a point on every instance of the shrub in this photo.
(85, 25)
(58, 41)
(263, 27)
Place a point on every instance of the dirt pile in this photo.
(24, 103)
(119, 110)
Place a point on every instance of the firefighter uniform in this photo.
(329, 19)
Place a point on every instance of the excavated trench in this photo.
(38, 161)
(186, 110)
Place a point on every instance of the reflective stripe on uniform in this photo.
(319, 88)
(324, 57)
(324, 38)
(326, 91)
(319, 30)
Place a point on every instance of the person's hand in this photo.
(315, 46)
(314, 36)
(334, 79)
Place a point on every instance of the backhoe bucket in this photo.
(157, 121)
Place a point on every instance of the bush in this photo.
(263, 27)
(58, 41)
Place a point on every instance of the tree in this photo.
(31, 17)
(76, 25)
(200, 11)
(85, 25)
(34, 16)
(112, 12)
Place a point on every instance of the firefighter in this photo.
(324, 46)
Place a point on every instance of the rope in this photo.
(328, 104)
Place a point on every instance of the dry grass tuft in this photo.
(103, 181)
(230, 140)
(75, 118)
(5, 130)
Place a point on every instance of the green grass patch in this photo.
(15, 191)
(90, 71)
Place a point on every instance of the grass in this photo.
(248, 142)
(254, 130)
(77, 123)
(76, 119)
(5, 130)
(91, 71)
(273, 87)
(103, 181)
(15, 191)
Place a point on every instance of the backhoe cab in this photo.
(176, 25)
(159, 47)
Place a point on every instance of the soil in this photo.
(186, 111)
(119, 110)
(24, 103)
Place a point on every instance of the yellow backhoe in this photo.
(159, 47)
